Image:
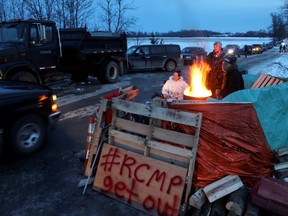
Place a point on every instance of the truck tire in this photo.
(27, 134)
(109, 72)
(24, 76)
(170, 65)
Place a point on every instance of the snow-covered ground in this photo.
(277, 67)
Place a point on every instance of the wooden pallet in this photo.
(128, 93)
(266, 80)
(151, 142)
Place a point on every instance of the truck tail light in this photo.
(54, 106)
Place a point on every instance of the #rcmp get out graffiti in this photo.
(145, 183)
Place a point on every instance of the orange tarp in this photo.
(231, 142)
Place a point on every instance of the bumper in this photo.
(54, 117)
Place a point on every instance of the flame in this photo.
(198, 73)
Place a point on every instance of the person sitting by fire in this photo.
(214, 77)
(232, 78)
(174, 87)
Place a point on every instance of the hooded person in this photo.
(174, 87)
(232, 78)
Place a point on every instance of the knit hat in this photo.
(218, 43)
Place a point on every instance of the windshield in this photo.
(12, 32)
(131, 50)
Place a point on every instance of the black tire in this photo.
(170, 65)
(27, 135)
(24, 76)
(109, 72)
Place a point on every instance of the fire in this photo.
(198, 73)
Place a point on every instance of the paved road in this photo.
(46, 183)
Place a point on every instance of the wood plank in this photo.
(140, 181)
(175, 116)
(157, 133)
(265, 81)
(279, 166)
(173, 137)
(152, 144)
(154, 153)
(198, 199)
(271, 81)
(259, 81)
(170, 148)
(280, 151)
(222, 187)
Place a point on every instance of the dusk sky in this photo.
(215, 15)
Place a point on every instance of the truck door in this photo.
(44, 46)
(140, 58)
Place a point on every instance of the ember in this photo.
(198, 73)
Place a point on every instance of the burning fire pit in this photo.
(197, 89)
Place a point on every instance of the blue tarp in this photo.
(271, 105)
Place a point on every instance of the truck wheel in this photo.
(24, 76)
(170, 65)
(27, 134)
(109, 73)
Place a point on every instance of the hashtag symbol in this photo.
(110, 159)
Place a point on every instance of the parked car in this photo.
(257, 49)
(26, 112)
(232, 50)
(190, 54)
(167, 56)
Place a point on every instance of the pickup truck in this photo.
(27, 111)
(36, 51)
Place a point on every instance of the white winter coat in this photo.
(175, 89)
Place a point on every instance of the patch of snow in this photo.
(277, 67)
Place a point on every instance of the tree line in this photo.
(111, 15)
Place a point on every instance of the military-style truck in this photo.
(36, 51)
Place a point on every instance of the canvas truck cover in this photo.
(231, 142)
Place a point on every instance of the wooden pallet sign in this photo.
(145, 183)
(162, 153)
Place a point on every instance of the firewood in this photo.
(218, 207)
(237, 201)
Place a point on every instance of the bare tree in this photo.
(12, 9)
(278, 28)
(40, 9)
(113, 14)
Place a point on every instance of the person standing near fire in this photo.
(174, 87)
(232, 78)
(214, 77)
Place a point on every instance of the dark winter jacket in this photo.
(215, 76)
(232, 81)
